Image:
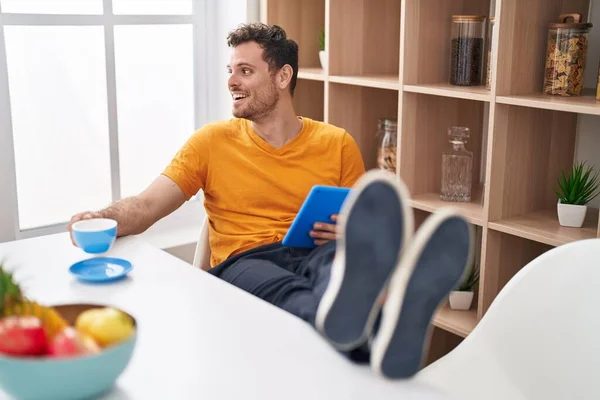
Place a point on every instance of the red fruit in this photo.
(70, 342)
(22, 336)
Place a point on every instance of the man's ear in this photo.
(284, 77)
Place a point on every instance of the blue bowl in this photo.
(96, 235)
(66, 378)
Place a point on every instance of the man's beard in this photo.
(259, 106)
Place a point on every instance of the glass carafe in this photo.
(386, 144)
(457, 167)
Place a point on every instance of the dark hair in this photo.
(278, 50)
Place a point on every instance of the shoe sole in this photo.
(366, 256)
(418, 287)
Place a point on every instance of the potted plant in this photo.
(322, 54)
(462, 298)
(575, 192)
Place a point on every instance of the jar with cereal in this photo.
(566, 52)
(387, 131)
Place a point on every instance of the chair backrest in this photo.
(202, 253)
(542, 328)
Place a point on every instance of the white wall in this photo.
(230, 13)
(588, 132)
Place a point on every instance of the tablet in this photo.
(320, 204)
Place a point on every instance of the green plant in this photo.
(580, 187)
(470, 281)
(322, 40)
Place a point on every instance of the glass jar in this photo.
(386, 146)
(457, 167)
(566, 51)
(488, 76)
(466, 58)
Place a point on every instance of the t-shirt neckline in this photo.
(260, 142)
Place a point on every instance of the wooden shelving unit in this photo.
(313, 74)
(448, 90)
(390, 58)
(460, 323)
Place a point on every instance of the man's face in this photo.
(251, 85)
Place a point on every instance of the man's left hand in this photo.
(324, 232)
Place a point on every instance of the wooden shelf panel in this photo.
(530, 148)
(313, 74)
(309, 99)
(424, 138)
(543, 227)
(357, 109)
(364, 38)
(523, 34)
(427, 31)
(431, 202)
(586, 104)
(378, 81)
(478, 93)
(302, 22)
(458, 322)
(505, 256)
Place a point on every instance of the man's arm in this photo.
(137, 213)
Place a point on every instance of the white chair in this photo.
(538, 340)
(202, 253)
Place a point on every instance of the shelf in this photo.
(459, 322)
(478, 93)
(426, 31)
(391, 59)
(424, 139)
(431, 202)
(531, 147)
(380, 81)
(586, 104)
(522, 46)
(543, 227)
(313, 74)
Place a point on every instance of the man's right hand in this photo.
(137, 213)
(79, 217)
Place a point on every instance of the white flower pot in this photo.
(571, 215)
(460, 300)
(323, 59)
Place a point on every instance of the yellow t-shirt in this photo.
(252, 190)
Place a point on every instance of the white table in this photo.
(200, 337)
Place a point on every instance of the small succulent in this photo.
(322, 40)
(580, 187)
(468, 284)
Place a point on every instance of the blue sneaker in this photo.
(433, 265)
(374, 223)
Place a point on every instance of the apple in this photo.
(106, 325)
(70, 342)
(22, 336)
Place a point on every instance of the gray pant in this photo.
(293, 279)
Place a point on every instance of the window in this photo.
(96, 97)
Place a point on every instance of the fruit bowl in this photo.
(71, 369)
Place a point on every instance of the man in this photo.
(255, 171)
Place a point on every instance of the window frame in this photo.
(201, 19)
